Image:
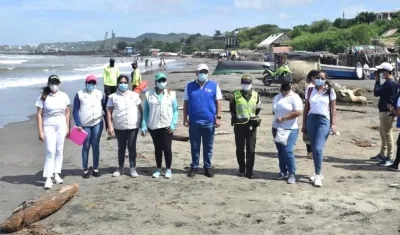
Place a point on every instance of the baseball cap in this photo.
(160, 75)
(53, 78)
(246, 79)
(385, 66)
(202, 67)
(91, 78)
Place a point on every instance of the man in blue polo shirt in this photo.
(202, 114)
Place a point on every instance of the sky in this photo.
(38, 21)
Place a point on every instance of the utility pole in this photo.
(112, 40)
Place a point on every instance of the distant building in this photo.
(230, 41)
(274, 41)
(385, 15)
(154, 52)
(128, 51)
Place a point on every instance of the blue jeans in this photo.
(318, 127)
(93, 140)
(287, 161)
(197, 133)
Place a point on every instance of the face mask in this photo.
(202, 77)
(161, 85)
(122, 87)
(54, 88)
(90, 87)
(381, 75)
(112, 64)
(246, 87)
(286, 87)
(319, 82)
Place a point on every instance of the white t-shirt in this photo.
(125, 114)
(319, 102)
(284, 105)
(54, 108)
(309, 85)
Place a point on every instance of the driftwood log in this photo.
(186, 138)
(33, 211)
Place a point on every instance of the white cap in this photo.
(202, 67)
(385, 66)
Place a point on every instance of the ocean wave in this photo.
(22, 57)
(12, 61)
(8, 68)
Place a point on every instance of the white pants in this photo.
(54, 137)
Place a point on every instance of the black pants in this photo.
(397, 160)
(308, 146)
(124, 137)
(245, 137)
(162, 143)
(108, 90)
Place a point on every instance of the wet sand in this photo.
(355, 199)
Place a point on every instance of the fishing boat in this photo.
(338, 71)
(229, 66)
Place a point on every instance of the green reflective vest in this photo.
(245, 110)
(110, 75)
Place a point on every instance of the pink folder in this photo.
(76, 136)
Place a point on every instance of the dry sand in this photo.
(355, 199)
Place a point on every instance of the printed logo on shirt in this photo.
(208, 90)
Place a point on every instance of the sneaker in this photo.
(118, 172)
(96, 173)
(312, 178)
(192, 172)
(282, 176)
(318, 180)
(309, 155)
(209, 172)
(168, 174)
(393, 167)
(58, 179)
(133, 172)
(249, 175)
(385, 162)
(85, 174)
(377, 158)
(291, 179)
(48, 184)
(241, 174)
(157, 173)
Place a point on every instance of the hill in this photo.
(96, 45)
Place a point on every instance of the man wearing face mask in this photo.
(88, 111)
(244, 109)
(136, 76)
(387, 93)
(202, 114)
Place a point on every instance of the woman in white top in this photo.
(310, 80)
(124, 114)
(319, 121)
(287, 107)
(160, 118)
(88, 116)
(53, 117)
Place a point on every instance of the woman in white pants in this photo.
(53, 117)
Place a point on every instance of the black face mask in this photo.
(112, 63)
(286, 87)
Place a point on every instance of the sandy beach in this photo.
(355, 199)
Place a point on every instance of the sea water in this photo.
(23, 76)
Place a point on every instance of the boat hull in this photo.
(344, 72)
(228, 67)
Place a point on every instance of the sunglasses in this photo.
(162, 80)
(203, 71)
(91, 82)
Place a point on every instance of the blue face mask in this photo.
(319, 82)
(161, 85)
(90, 87)
(202, 77)
(123, 87)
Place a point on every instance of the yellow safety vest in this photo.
(136, 77)
(110, 75)
(245, 110)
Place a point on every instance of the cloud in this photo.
(263, 4)
(353, 10)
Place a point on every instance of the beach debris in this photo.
(35, 210)
(36, 229)
(350, 110)
(374, 127)
(363, 143)
(394, 185)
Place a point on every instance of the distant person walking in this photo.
(244, 109)
(319, 121)
(88, 113)
(202, 114)
(136, 76)
(53, 122)
(160, 116)
(110, 74)
(124, 113)
(387, 93)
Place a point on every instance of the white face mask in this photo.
(381, 75)
(246, 87)
(54, 87)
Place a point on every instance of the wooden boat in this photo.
(229, 66)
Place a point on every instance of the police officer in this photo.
(245, 107)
